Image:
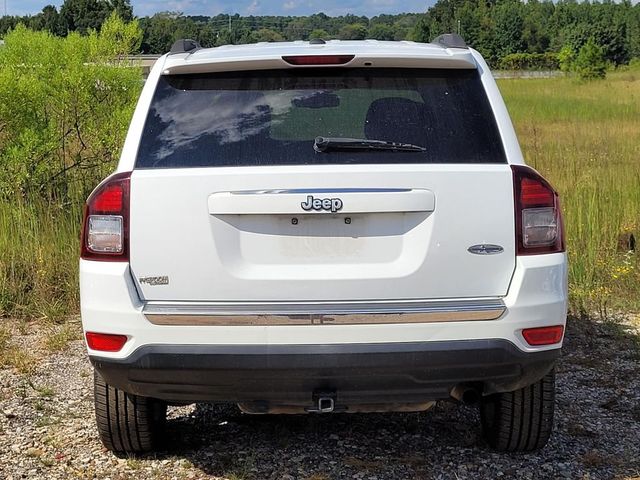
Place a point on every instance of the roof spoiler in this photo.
(185, 46)
(450, 40)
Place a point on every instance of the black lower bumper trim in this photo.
(359, 373)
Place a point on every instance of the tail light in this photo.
(543, 335)
(105, 231)
(539, 227)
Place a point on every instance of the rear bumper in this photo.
(537, 297)
(408, 362)
(362, 373)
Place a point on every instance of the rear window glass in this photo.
(272, 118)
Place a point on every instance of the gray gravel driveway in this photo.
(47, 428)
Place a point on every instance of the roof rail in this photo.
(450, 40)
(185, 45)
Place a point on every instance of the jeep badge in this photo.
(332, 205)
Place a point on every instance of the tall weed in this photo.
(585, 138)
(65, 104)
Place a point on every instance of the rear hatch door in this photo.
(230, 201)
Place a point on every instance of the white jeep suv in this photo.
(323, 227)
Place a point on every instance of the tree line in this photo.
(504, 27)
(164, 28)
(509, 33)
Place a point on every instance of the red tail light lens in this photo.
(543, 335)
(105, 342)
(105, 230)
(318, 59)
(110, 199)
(539, 227)
(534, 193)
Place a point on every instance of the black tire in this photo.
(127, 424)
(520, 421)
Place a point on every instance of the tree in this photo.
(123, 8)
(319, 33)
(207, 36)
(498, 28)
(566, 57)
(535, 33)
(633, 31)
(266, 35)
(158, 32)
(509, 26)
(380, 31)
(52, 21)
(296, 30)
(65, 115)
(354, 31)
(590, 62)
(83, 15)
(117, 38)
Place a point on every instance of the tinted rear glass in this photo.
(273, 117)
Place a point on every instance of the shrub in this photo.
(266, 35)
(590, 62)
(530, 61)
(319, 33)
(566, 57)
(355, 31)
(64, 108)
(65, 104)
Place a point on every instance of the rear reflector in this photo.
(543, 335)
(105, 342)
(318, 59)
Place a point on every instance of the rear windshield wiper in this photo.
(326, 144)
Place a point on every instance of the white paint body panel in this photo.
(398, 254)
(110, 304)
(367, 53)
(184, 226)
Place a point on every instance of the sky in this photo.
(142, 8)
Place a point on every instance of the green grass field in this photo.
(584, 137)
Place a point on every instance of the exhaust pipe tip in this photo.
(465, 394)
(470, 397)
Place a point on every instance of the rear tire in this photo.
(520, 421)
(127, 423)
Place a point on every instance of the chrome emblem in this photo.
(485, 249)
(332, 205)
(153, 281)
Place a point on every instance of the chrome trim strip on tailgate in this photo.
(353, 200)
(320, 313)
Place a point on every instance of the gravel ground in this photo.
(47, 428)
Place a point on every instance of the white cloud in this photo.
(381, 3)
(254, 7)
